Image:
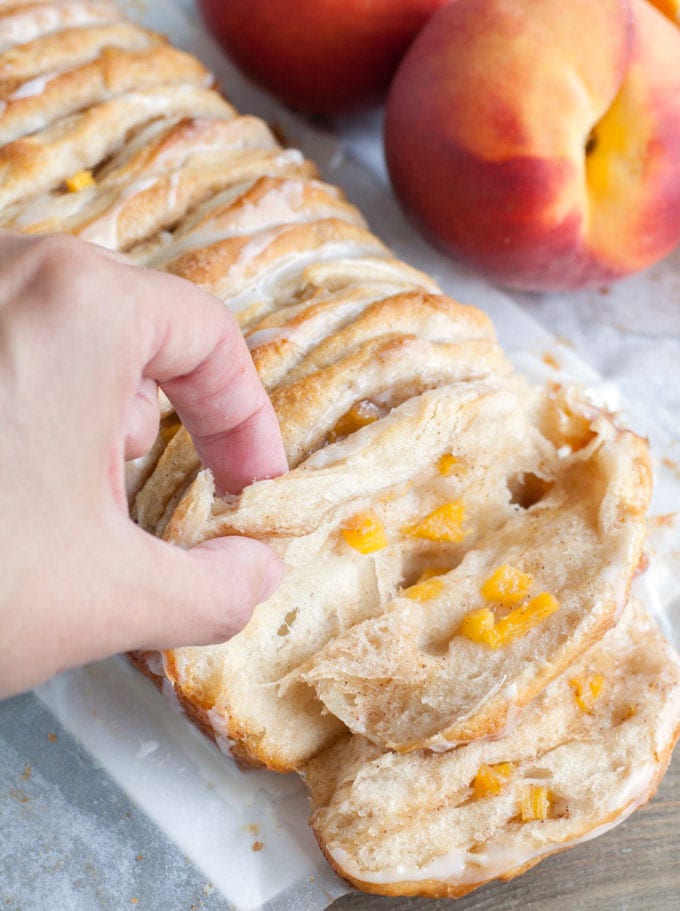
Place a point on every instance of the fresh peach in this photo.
(670, 8)
(540, 139)
(321, 56)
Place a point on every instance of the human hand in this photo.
(85, 337)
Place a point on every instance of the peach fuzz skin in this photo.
(320, 56)
(541, 140)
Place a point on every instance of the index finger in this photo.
(203, 364)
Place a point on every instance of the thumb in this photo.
(199, 596)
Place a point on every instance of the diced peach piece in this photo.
(491, 779)
(358, 416)
(523, 619)
(507, 585)
(81, 180)
(587, 689)
(534, 803)
(443, 524)
(365, 532)
(424, 590)
(481, 625)
(447, 464)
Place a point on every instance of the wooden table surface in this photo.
(635, 867)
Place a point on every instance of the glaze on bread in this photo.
(442, 824)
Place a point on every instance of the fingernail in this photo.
(271, 579)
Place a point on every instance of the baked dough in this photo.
(417, 824)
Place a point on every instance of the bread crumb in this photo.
(550, 360)
(208, 889)
(257, 846)
(52, 737)
(28, 771)
(133, 901)
(669, 463)
(254, 828)
(140, 857)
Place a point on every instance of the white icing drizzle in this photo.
(155, 664)
(264, 336)
(465, 867)
(104, 229)
(339, 452)
(670, 721)
(218, 724)
(33, 86)
(48, 207)
(280, 279)
(634, 788)
(616, 574)
(174, 182)
(171, 696)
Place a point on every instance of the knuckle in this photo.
(64, 266)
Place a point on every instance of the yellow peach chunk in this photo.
(587, 689)
(425, 590)
(81, 180)
(534, 803)
(443, 524)
(365, 532)
(358, 416)
(507, 585)
(447, 464)
(523, 619)
(479, 626)
(491, 779)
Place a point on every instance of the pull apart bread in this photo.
(444, 662)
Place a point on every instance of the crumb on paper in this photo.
(133, 901)
(643, 565)
(208, 889)
(604, 290)
(28, 771)
(667, 520)
(312, 879)
(18, 795)
(52, 737)
(564, 341)
(257, 846)
(550, 360)
(670, 463)
(253, 828)
(140, 857)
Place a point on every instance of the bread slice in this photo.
(409, 678)
(341, 641)
(442, 824)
